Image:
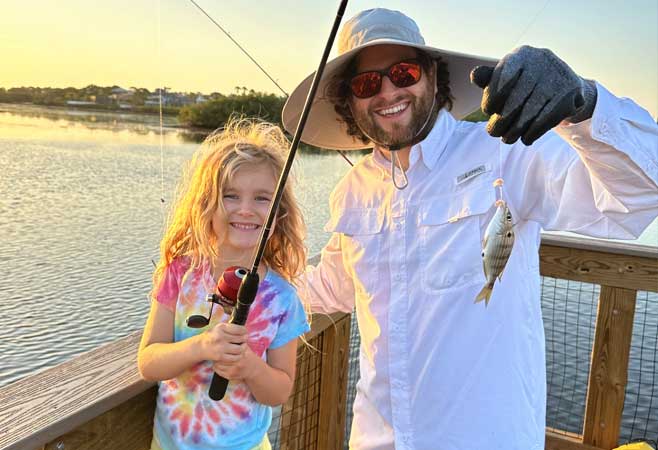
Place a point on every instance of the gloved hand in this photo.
(529, 92)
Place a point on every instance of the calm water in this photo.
(80, 220)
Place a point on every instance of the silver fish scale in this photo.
(497, 247)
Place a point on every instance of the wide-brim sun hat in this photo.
(368, 28)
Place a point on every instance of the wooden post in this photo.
(333, 385)
(609, 367)
(299, 415)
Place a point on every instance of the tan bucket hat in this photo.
(375, 27)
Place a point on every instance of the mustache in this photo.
(383, 103)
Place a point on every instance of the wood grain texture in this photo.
(599, 245)
(557, 440)
(333, 385)
(609, 369)
(127, 427)
(617, 270)
(41, 407)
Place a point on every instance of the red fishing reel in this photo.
(226, 295)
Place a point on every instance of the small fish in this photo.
(496, 248)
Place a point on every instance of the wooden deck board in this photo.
(639, 273)
(44, 406)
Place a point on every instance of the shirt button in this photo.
(604, 128)
(397, 277)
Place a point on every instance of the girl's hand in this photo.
(225, 343)
(242, 369)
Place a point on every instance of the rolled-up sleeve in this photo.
(603, 182)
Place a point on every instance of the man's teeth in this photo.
(244, 226)
(394, 110)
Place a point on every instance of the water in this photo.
(80, 221)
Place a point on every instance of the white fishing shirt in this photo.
(436, 370)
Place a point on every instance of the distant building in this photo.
(169, 99)
(79, 103)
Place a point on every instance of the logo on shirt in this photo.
(471, 174)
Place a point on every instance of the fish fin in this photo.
(485, 294)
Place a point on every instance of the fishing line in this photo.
(239, 46)
(499, 182)
(162, 188)
(531, 22)
(342, 153)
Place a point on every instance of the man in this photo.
(437, 370)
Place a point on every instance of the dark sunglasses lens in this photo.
(404, 74)
(366, 84)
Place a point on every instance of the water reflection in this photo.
(80, 222)
(63, 124)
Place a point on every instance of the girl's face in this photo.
(246, 198)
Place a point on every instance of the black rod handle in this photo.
(246, 296)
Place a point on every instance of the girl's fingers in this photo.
(229, 358)
(235, 349)
(235, 331)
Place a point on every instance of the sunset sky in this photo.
(151, 43)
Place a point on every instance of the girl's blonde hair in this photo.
(199, 194)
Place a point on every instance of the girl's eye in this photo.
(231, 196)
(262, 198)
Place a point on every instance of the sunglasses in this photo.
(402, 74)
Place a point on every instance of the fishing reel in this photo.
(226, 296)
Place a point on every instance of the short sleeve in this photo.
(293, 322)
(166, 293)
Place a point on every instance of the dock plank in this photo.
(40, 408)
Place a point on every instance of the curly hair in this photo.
(190, 231)
(338, 91)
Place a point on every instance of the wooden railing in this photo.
(98, 401)
(621, 270)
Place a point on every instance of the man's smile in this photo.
(393, 111)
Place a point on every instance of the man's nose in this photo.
(387, 86)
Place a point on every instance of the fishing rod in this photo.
(262, 69)
(249, 285)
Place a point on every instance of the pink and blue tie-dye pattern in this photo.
(186, 418)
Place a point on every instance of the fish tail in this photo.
(485, 294)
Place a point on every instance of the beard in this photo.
(399, 135)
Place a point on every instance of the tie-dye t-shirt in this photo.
(185, 417)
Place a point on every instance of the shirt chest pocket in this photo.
(450, 231)
(361, 236)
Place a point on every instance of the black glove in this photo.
(529, 92)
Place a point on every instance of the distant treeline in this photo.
(194, 110)
(216, 112)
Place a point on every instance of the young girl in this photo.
(216, 223)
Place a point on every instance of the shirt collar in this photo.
(429, 149)
(432, 147)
